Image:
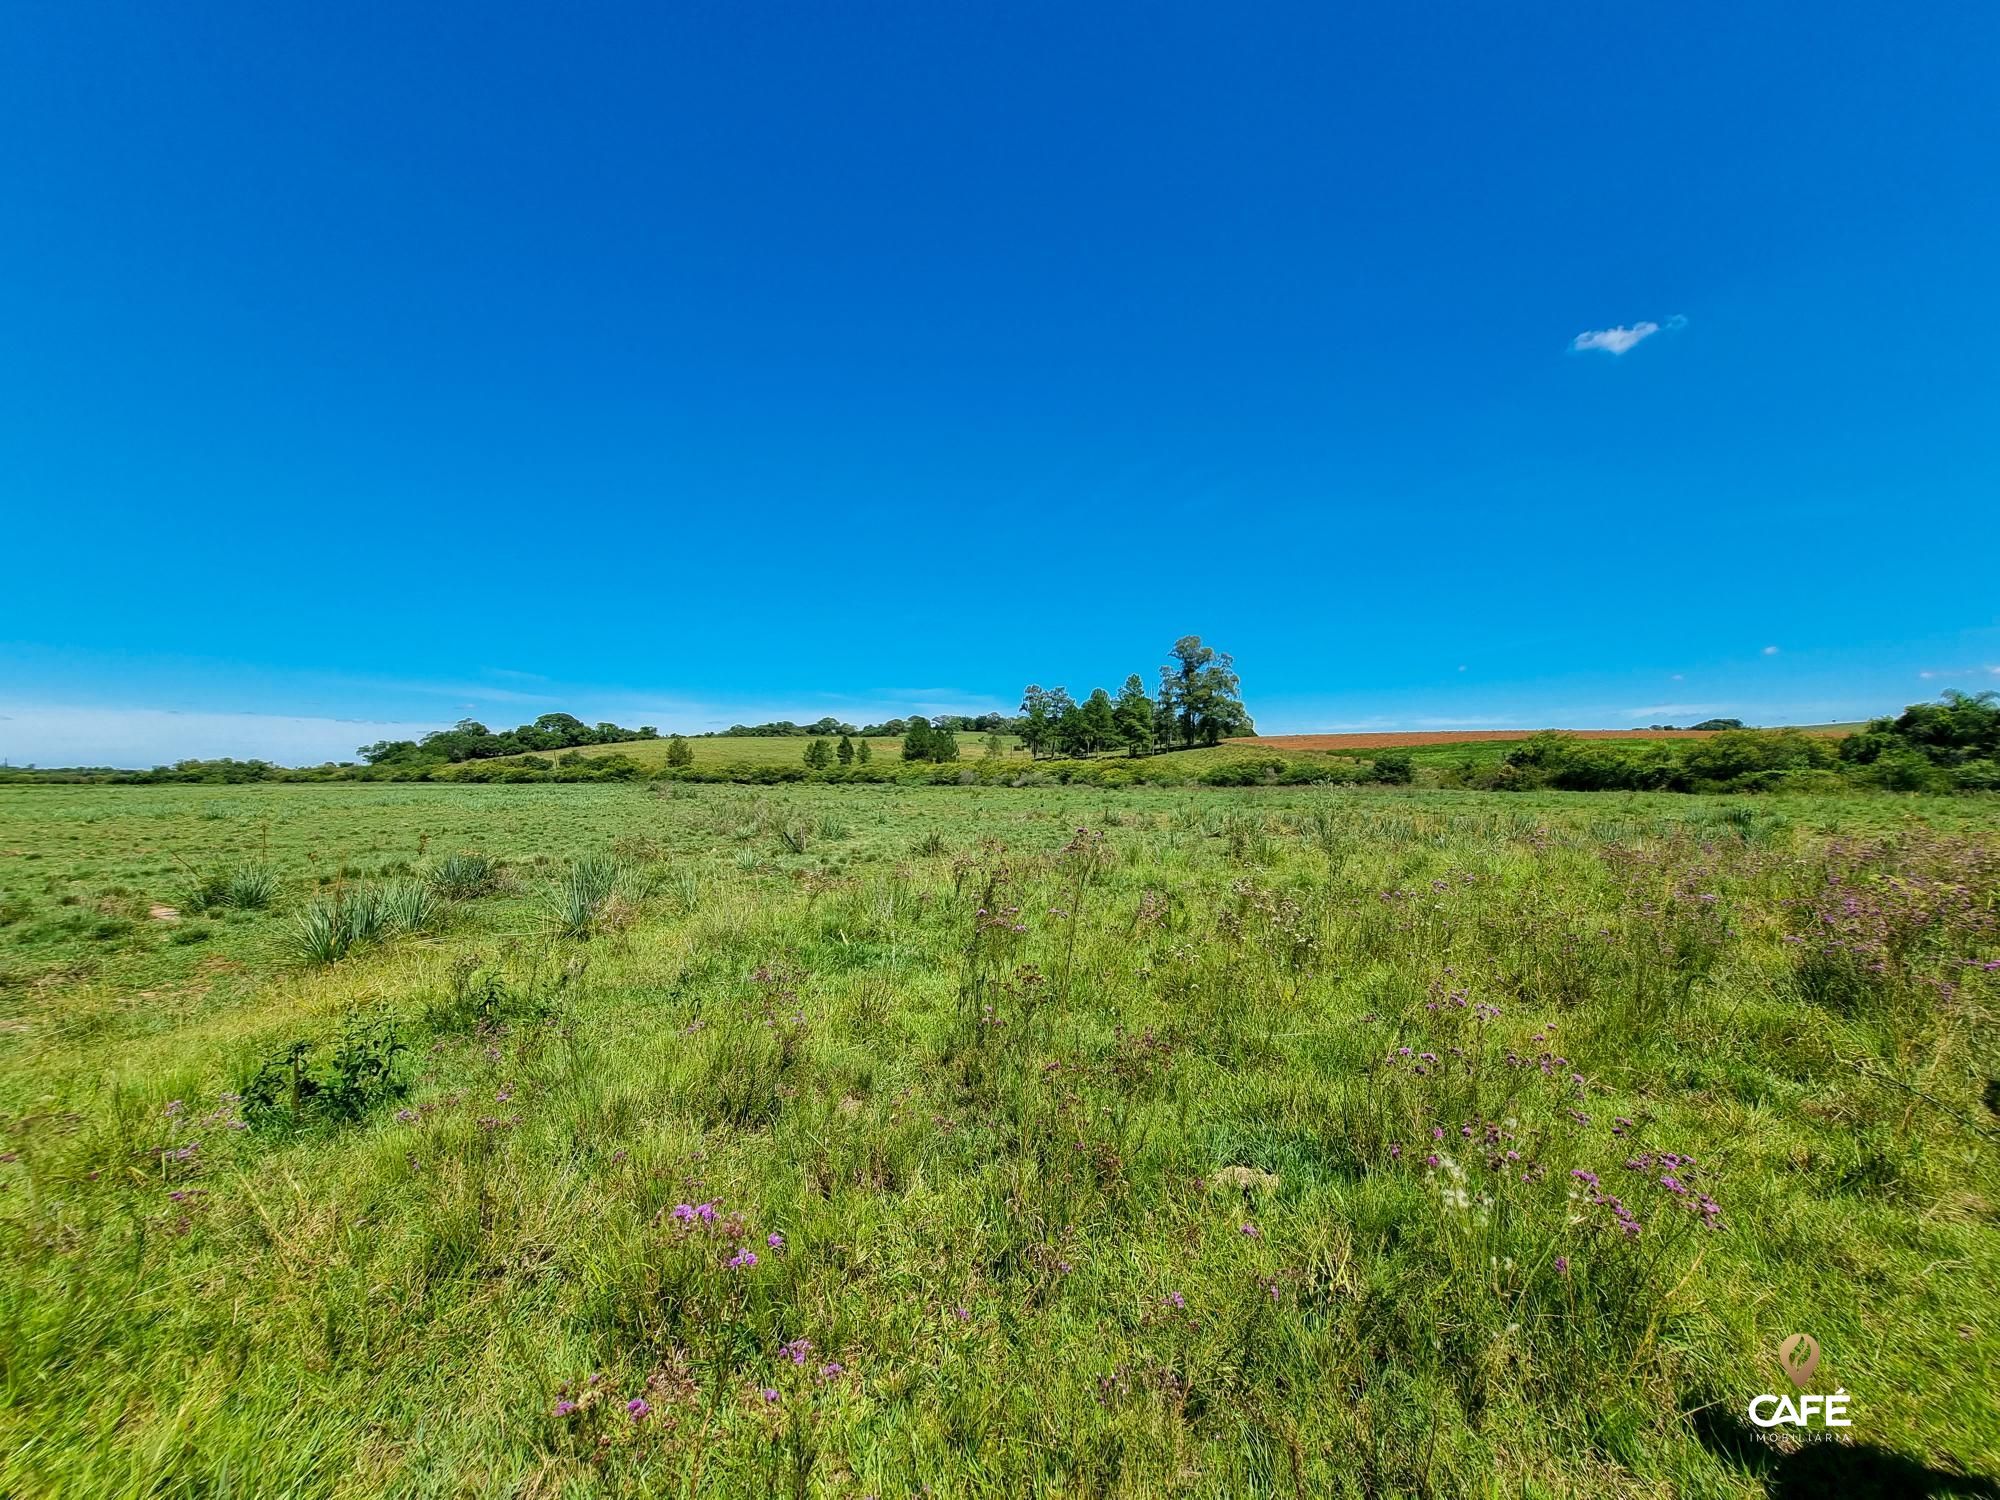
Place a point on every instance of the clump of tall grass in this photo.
(251, 886)
(464, 876)
(334, 925)
(323, 932)
(584, 900)
(687, 890)
(408, 906)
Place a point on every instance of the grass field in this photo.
(957, 1141)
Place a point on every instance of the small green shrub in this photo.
(484, 996)
(360, 1073)
(1246, 772)
(1393, 768)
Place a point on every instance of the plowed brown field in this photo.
(1391, 741)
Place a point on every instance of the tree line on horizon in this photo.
(1199, 702)
(469, 739)
(1952, 745)
(830, 728)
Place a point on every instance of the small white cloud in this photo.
(1619, 340)
(1614, 340)
(1770, 650)
(1677, 677)
(1461, 668)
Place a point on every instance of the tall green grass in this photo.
(1242, 1143)
(345, 920)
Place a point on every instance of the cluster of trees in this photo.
(822, 754)
(1704, 724)
(779, 729)
(1954, 742)
(925, 740)
(889, 729)
(469, 739)
(1200, 702)
(922, 740)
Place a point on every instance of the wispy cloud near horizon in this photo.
(1676, 711)
(1947, 674)
(51, 734)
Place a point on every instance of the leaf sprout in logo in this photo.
(1799, 1354)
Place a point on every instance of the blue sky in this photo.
(367, 366)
